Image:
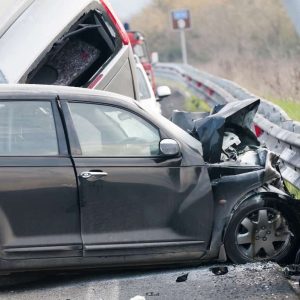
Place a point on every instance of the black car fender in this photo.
(228, 192)
(284, 203)
(234, 191)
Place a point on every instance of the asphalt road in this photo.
(241, 282)
(175, 101)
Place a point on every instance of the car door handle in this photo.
(93, 175)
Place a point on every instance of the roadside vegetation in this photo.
(196, 104)
(192, 102)
(295, 192)
(292, 108)
(250, 42)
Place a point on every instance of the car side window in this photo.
(108, 131)
(27, 128)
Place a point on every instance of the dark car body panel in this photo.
(143, 205)
(37, 200)
(142, 200)
(38, 197)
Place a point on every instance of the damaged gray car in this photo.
(90, 179)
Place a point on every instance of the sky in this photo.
(293, 9)
(126, 8)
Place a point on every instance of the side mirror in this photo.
(154, 58)
(163, 92)
(169, 147)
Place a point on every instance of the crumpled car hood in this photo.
(236, 116)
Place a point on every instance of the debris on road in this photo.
(291, 271)
(182, 278)
(219, 270)
(250, 281)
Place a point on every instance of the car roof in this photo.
(36, 22)
(42, 92)
(36, 91)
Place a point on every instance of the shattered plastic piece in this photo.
(182, 278)
(152, 294)
(291, 270)
(219, 270)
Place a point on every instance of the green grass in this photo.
(292, 108)
(174, 85)
(295, 192)
(192, 102)
(196, 104)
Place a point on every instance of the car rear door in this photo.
(39, 211)
(132, 198)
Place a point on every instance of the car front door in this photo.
(39, 211)
(132, 197)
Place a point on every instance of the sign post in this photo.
(181, 20)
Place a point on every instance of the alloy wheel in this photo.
(263, 234)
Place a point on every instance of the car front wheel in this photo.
(260, 232)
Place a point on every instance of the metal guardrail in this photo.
(279, 132)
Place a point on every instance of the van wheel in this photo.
(261, 232)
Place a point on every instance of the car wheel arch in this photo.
(284, 203)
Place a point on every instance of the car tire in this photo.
(261, 231)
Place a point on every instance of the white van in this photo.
(148, 100)
(76, 43)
